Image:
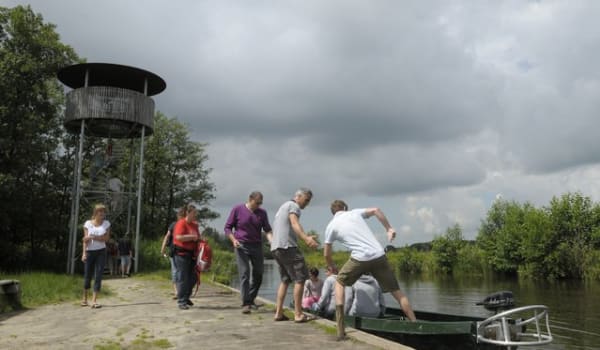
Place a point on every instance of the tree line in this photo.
(558, 241)
(37, 155)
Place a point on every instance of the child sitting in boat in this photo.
(367, 298)
(326, 304)
(312, 289)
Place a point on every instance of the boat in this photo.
(508, 328)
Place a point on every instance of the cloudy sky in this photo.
(426, 109)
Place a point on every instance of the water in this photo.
(574, 306)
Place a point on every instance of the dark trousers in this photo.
(249, 254)
(94, 264)
(185, 277)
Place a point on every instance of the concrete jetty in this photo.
(140, 314)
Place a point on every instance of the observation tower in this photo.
(108, 101)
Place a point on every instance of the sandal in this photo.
(84, 303)
(96, 306)
(305, 319)
(281, 318)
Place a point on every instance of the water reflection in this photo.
(574, 306)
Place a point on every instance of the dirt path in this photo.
(141, 315)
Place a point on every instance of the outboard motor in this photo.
(499, 301)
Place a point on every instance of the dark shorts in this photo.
(379, 268)
(292, 266)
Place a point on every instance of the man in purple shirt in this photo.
(244, 227)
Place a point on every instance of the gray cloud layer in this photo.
(440, 104)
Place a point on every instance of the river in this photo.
(574, 306)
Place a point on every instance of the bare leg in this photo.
(94, 296)
(298, 289)
(339, 310)
(404, 304)
(281, 292)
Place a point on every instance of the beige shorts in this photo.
(379, 268)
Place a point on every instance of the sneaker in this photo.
(246, 309)
(189, 302)
(183, 306)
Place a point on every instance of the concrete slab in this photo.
(141, 315)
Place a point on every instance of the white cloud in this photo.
(425, 109)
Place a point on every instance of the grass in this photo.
(40, 288)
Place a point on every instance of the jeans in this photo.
(249, 254)
(173, 269)
(95, 260)
(186, 277)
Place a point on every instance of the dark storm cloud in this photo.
(380, 99)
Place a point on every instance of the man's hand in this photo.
(311, 242)
(391, 233)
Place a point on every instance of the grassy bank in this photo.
(39, 288)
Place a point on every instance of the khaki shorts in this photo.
(379, 268)
(292, 266)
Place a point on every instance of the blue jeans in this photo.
(95, 260)
(249, 254)
(186, 277)
(173, 270)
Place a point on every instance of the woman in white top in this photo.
(96, 232)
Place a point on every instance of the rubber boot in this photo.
(339, 317)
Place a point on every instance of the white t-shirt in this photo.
(96, 231)
(115, 185)
(351, 229)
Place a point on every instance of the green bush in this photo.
(410, 261)
(591, 267)
(40, 288)
(150, 257)
(470, 260)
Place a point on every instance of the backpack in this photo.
(204, 259)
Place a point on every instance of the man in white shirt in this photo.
(367, 255)
(115, 186)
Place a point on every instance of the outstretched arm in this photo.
(383, 220)
(300, 232)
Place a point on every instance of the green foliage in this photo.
(39, 288)
(410, 261)
(223, 266)
(33, 161)
(445, 248)
(315, 258)
(552, 242)
(591, 265)
(175, 173)
(150, 257)
(470, 260)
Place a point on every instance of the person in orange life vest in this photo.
(185, 239)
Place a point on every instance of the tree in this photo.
(175, 173)
(445, 248)
(500, 236)
(574, 222)
(32, 154)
